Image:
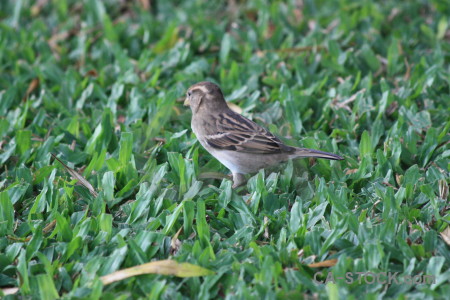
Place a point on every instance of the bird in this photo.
(238, 143)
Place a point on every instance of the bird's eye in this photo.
(189, 94)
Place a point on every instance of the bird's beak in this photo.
(186, 101)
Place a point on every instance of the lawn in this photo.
(100, 170)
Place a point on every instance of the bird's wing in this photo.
(237, 133)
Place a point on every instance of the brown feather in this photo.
(237, 133)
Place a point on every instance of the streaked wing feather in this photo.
(237, 133)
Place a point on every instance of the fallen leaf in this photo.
(392, 108)
(162, 267)
(77, 176)
(159, 140)
(72, 145)
(351, 171)
(398, 179)
(266, 229)
(345, 104)
(10, 291)
(446, 235)
(443, 189)
(324, 264)
(234, 108)
(91, 73)
(175, 243)
(31, 87)
(49, 227)
(54, 39)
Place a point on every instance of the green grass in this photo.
(100, 85)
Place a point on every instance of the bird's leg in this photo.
(238, 180)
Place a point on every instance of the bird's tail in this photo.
(304, 152)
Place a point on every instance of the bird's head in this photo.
(205, 95)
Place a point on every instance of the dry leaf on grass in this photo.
(324, 264)
(31, 87)
(10, 291)
(234, 107)
(162, 267)
(77, 176)
(446, 235)
(175, 243)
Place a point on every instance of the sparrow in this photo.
(237, 142)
